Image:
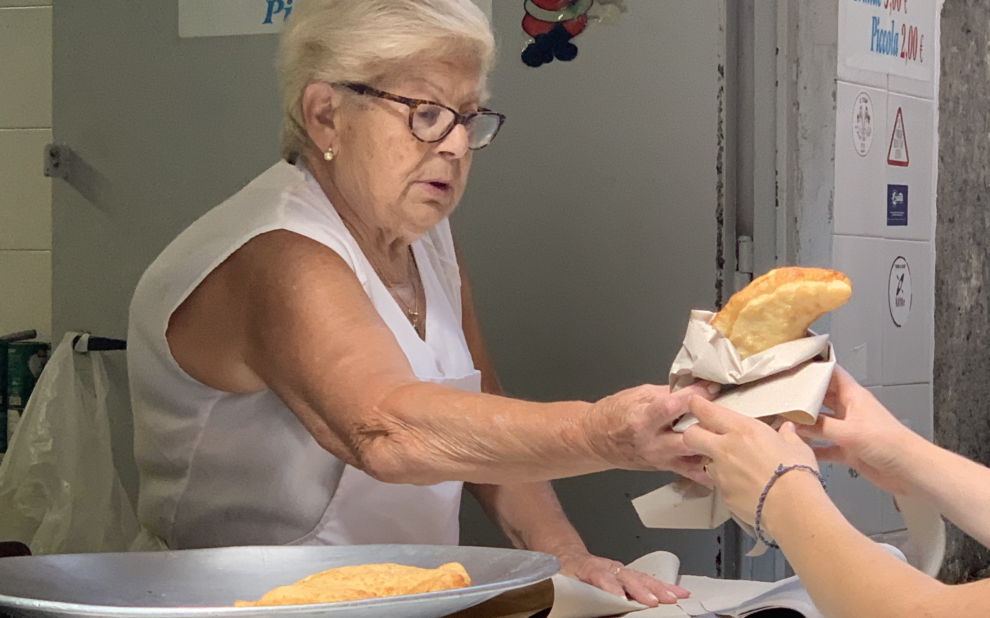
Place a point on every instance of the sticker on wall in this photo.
(899, 292)
(862, 126)
(553, 23)
(897, 153)
(897, 205)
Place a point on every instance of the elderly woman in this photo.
(846, 574)
(305, 362)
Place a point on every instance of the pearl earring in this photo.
(328, 155)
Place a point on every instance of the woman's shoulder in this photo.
(280, 198)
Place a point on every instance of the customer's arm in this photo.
(869, 439)
(846, 574)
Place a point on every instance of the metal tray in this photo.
(202, 583)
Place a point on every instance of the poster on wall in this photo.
(892, 37)
(199, 18)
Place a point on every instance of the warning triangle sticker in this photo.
(897, 154)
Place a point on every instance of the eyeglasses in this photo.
(431, 122)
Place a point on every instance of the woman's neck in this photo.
(387, 249)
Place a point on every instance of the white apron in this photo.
(364, 511)
(219, 469)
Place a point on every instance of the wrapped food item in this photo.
(760, 345)
(760, 348)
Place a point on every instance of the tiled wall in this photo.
(885, 335)
(25, 194)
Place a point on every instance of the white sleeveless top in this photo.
(220, 469)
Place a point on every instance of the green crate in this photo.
(3, 396)
(25, 361)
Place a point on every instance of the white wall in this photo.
(485, 5)
(25, 194)
(589, 232)
(893, 357)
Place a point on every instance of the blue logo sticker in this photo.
(897, 205)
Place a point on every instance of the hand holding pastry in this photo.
(865, 435)
(745, 452)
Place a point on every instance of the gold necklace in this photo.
(412, 313)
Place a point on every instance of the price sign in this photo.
(199, 18)
(893, 37)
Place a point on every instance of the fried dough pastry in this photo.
(367, 581)
(779, 307)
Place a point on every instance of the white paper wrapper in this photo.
(683, 505)
(788, 380)
(686, 505)
(926, 534)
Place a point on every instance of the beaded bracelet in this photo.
(781, 470)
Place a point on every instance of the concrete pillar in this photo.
(962, 266)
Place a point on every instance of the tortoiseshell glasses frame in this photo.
(431, 122)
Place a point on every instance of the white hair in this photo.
(363, 40)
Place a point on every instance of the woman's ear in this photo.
(321, 112)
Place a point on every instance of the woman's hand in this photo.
(612, 577)
(865, 435)
(745, 453)
(633, 429)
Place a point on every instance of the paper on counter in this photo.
(725, 599)
(660, 565)
(574, 599)
(709, 596)
(785, 594)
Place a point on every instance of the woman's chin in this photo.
(426, 214)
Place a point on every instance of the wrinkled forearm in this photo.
(530, 515)
(422, 434)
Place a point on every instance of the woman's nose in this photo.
(455, 145)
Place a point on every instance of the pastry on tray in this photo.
(368, 581)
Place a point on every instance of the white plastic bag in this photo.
(59, 490)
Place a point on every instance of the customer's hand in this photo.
(633, 429)
(865, 435)
(745, 453)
